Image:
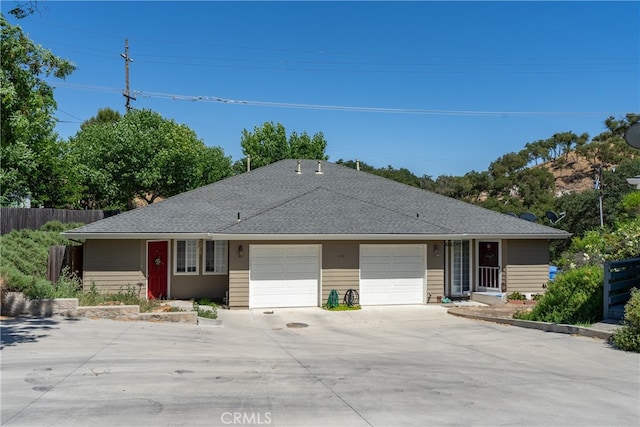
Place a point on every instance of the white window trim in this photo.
(175, 258)
(204, 258)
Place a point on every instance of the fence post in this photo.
(54, 262)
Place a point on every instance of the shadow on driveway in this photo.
(21, 330)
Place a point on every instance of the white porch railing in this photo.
(489, 277)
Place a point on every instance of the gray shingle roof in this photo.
(275, 200)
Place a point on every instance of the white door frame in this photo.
(451, 244)
(477, 263)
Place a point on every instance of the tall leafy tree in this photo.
(403, 175)
(142, 155)
(29, 153)
(104, 115)
(269, 143)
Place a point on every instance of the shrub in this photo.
(628, 336)
(516, 296)
(24, 256)
(574, 297)
(204, 312)
(131, 295)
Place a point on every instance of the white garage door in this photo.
(392, 274)
(283, 275)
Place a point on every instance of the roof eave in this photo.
(285, 236)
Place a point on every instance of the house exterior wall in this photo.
(340, 268)
(435, 271)
(238, 275)
(526, 265)
(201, 285)
(198, 286)
(112, 265)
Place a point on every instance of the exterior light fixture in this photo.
(240, 251)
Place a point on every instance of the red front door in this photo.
(157, 269)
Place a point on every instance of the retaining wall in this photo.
(16, 304)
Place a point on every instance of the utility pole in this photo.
(127, 59)
(598, 185)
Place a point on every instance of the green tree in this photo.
(402, 175)
(30, 156)
(142, 155)
(269, 143)
(105, 115)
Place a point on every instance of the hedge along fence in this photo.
(34, 218)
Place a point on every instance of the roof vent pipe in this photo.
(319, 170)
(248, 162)
(299, 169)
(357, 164)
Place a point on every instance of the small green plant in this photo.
(211, 313)
(537, 297)
(516, 296)
(628, 336)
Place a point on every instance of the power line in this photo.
(345, 108)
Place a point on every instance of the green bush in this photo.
(628, 336)
(516, 296)
(574, 297)
(24, 256)
(204, 312)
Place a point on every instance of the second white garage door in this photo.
(392, 274)
(283, 275)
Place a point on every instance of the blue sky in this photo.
(436, 87)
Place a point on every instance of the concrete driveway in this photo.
(385, 366)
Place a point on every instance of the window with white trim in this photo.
(215, 257)
(186, 256)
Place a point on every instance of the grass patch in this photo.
(343, 307)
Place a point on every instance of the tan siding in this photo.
(435, 271)
(341, 280)
(340, 268)
(114, 281)
(238, 275)
(113, 255)
(199, 286)
(527, 266)
(112, 265)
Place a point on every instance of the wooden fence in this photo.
(619, 278)
(61, 256)
(34, 218)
